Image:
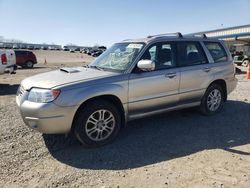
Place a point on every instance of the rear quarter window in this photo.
(20, 53)
(190, 53)
(217, 51)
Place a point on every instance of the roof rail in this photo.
(126, 39)
(178, 34)
(202, 35)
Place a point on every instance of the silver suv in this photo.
(132, 79)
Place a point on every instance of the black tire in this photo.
(204, 107)
(29, 64)
(82, 116)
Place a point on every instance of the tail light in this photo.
(4, 59)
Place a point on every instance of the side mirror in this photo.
(146, 65)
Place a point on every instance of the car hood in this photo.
(64, 76)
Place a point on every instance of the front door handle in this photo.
(206, 69)
(171, 75)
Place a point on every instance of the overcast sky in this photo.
(89, 22)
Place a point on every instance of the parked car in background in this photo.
(240, 58)
(77, 49)
(44, 47)
(30, 47)
(7, 61)
(72, 50)
(25, 58)
(132, 79)
(51, 48)
(82, 50)
(7, 46)
(37, 47)
(15, 46)
(22, 46)
(86, 50)
(1, 45)
(103, 48)
(97, 53)
(65, 48)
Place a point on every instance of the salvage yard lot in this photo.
(176, 149)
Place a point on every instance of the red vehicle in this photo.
(25, 59)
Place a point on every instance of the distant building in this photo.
(237, 38)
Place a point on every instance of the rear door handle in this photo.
(171, 75)
(206, 69)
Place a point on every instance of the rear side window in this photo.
(20, 52)
(190, 53)
(217, 51)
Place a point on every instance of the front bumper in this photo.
(46, 118)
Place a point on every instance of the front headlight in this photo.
(43, 95)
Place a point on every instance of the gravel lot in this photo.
(176, 149)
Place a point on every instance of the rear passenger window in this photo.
(217, 51)
(20, 52)
(190, 53)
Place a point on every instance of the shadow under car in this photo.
(159, 138)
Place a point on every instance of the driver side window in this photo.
(149, 54)
(161, 54)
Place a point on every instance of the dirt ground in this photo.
(176, 149)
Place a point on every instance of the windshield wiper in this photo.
(96, 67)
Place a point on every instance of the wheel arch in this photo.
(107, 97)
(223, 85)
(29, 60)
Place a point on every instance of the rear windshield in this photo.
(217, 51)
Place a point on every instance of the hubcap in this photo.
(29, 64)
(214, 100)
(100, 125)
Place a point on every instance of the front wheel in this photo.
(97, 123)
(212, 100)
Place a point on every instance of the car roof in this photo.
(172, 37)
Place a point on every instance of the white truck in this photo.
(7, 61)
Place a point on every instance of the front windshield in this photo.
(119, 57)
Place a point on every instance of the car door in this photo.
(195, 71)
(158, 89)
(20, 57)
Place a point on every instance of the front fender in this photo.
(77, 96)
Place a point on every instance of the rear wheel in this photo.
(212, 100)
(97, 123)
(29, 64)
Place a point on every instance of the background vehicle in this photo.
(241, 59)
(103, 48)
(7, 46)
(132, 79)
(7, 61)
(97, 53)
(37, 47)
(25, 58)
(30, 47)
(65, 48)
(77, 49)
(51, 48)
(72, 50)
(15, 46)
(44, 47)
(22, 46)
